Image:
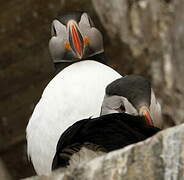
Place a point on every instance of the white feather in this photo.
(84, 155)
(111, 105)
(155, 110)
(75, 93)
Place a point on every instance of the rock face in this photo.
(149, 36)
(4, 174)
(160, 157)
(25, 69)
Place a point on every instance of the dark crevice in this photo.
(168, 1)
(168, 120)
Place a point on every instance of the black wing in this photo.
(110, 132)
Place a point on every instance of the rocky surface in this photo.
(4, 174)
(25, 68)
(160, 157)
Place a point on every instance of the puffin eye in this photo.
(122, 108)
(53, 31)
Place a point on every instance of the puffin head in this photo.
(134, 95)
(74, 38)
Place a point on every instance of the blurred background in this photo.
(141, 37)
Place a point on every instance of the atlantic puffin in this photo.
(75, 93)
(75, 38)
(131, 114)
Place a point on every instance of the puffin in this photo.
(77, 90)
(130, 114)
(75, 38)
(134, 95)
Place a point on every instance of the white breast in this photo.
(75, 93)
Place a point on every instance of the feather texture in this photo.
(73, 94)
(103, 134)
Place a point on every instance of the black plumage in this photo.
(97, 57)
(108, 132)
(136, 89)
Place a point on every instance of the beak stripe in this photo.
(76, 40)
(144, 111)
(148, 118)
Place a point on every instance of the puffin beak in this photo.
(144, 111)
(75, 38)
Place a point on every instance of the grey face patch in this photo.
(135, 88)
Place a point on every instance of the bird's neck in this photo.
(98, 57)
(59, 66)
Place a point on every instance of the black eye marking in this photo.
(54, 33)
(90, 21)
(122, 108)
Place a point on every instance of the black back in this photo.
(59, 66)
(111, 132)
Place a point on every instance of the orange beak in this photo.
(144, 111)
(75, 39)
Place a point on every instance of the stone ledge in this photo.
(160, 157)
